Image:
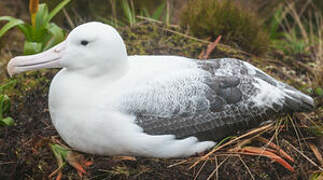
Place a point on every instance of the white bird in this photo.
(106, 102)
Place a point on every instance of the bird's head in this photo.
(93, 48)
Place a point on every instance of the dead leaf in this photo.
(316, 153)
(124, 158)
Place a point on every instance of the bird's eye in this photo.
(84, 42)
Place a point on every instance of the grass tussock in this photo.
(296, 32)
(238, 26)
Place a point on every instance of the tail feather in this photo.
(297, 101)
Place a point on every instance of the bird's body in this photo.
(109, 103)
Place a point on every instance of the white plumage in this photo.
(105, 102)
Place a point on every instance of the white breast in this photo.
(83, 113)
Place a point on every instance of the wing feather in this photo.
(208, 101)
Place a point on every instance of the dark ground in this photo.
(25, 151)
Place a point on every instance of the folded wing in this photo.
(210, 101)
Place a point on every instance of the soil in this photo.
(25, 151)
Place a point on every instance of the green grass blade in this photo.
(126, 9)
(56, 34)
(8, 84)
(41, 16)
(128, 12)
(13, 22)
(7, 18)
(27, 30)
(8, 121)
(1, 105)
(223, 140)
(275, 23)
(6, 104)
(158, 12)
(145, 13)
(57, 9)
(38, 32)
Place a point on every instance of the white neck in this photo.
(111, 71)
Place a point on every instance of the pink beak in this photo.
(48, 59)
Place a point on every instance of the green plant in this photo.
(128, 17)
(211, 18)
(316, 176)
(157, 14)
(5, 105)
(294, 32)
(274, 23)
(290, 43)
(129, 13)
(41, 34)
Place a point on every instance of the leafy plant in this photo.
(41, 34)
(157, 14)
(275, 22)
(238, 26)
(295, 32)
(129, 13)
(5, 105)
(63, 154)
(290, 43)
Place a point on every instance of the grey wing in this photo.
(214, 100)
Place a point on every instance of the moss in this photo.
(237, 26)
(152, 39)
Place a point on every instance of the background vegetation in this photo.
(284, 38)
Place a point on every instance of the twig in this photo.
(307, 68)
(216, 169)
(178, 163)
(298, 20)
(210, 48)
(263, 128)
(270, 154)
(276, 133)
(316, 153)
(168, 7)
(69, 20)
(296, 132)
(201, 40)
(307, 158)
(245, 165)
(199, 171)
(156, 21)
(4, 163)
(56, 171)
(280, 151)
(186, 36)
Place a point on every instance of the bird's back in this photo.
(208, 99)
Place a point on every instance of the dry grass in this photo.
(301, 29)
(244, 145)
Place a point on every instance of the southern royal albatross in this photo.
(106, 102)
